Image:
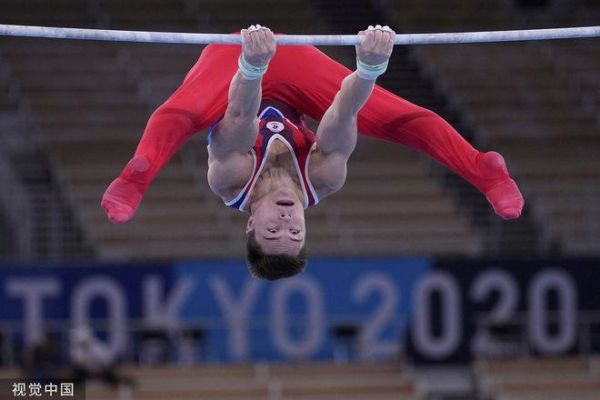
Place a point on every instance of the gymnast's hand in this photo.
(376, 44)
(258, 45)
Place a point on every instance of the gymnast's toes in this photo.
(116, 213)
(118, 217)
(507, 200)
(120, 201)
(510, 213)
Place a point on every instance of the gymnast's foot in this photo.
(121, 199)
(502, 192)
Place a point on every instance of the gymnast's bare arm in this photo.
(229, 160)
(337, 132)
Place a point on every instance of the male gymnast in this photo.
(265, 161)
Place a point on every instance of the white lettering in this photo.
(236, 312)
(313, 323)
(33, 291)
(164, 312)
(100, 287)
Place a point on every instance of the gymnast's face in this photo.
(277, 219)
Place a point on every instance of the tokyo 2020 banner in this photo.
(432, 311)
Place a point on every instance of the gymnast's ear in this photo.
(250, 225)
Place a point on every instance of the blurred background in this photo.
(414, 288)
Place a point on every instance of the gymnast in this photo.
(263, 160)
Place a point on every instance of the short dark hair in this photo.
(273, 266)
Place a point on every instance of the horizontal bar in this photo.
(317, 40)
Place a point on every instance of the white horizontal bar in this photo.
(317, 40)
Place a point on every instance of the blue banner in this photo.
(434, 310)
(244, 318)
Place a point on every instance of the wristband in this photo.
(249, 71)
(370, 72)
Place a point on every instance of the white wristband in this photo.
(249, 71)
(370, 72)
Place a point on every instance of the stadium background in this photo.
(414, 289)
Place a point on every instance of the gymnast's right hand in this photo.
(258, 45)
(122, 197)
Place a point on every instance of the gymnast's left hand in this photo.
(376, 44)
(258, 45)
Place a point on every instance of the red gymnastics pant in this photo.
(308, 80)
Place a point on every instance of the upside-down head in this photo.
(276, 232)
